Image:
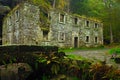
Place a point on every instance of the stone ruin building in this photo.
(22, 26)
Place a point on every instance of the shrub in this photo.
(104, 72)
(115, 54)
(115, 51)
(48, 66)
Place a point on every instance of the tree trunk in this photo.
(111, 34)
(68, 8)
(54, 3)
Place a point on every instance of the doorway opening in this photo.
(76, 42)
(45, 35)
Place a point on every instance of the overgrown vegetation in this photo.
(105, 10)
(115, 54)
(81, 48)
(70, 67)
(115, 50)
(59, 66)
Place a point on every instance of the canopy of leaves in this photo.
(42, 3)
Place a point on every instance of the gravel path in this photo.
(100, 55)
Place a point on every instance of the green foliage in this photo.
(75, 57)
(44, 4)
(41, 60)
(44, 21)
(104, 72)
(62, 4)
(77, 68)
(44, 77)
(67, 49)
(114, 51)
(105, 10)
(75, 78)
(55, 66)
(80, 48)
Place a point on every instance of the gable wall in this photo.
(22, 30)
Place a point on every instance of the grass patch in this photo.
(92, 48)
(81, 48)
(67, 49)
(75, 57)
(114, 51)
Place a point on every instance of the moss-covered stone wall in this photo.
(23, 25)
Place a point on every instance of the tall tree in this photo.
(60, 4)
(105, 10)
(108, 5)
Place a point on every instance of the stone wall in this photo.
(75, 28)
(22, 26)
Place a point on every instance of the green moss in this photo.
(87, 18)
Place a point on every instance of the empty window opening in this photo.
(96, 39)
(45, 35)
(62, 16)
(17, 15)
(96, 25)
(87, 23)
(44, 18)
(76, 20)
(61, 36)
(87, 38)
(46, 14)
(49, 17)
(9, 21)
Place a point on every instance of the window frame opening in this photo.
(75, 21)
(17, 15)
(87, 39)
(62, 18)
(96, 39)
(45, 35)
(87, 23)
(96, 25)
(61, 36)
